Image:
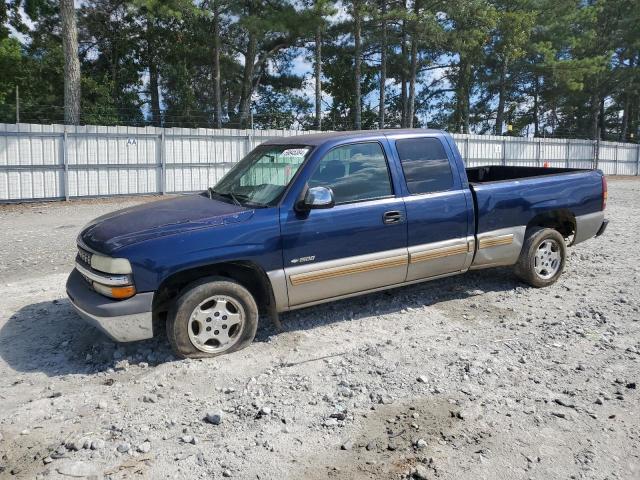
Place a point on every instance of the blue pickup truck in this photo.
(314, 218)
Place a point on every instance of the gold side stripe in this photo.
(438, 253)
(489, 242)
(362, 267)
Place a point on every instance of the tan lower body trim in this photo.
(371, 290)
(278, 281)
(499, 247)
(489, 242)
(436, 253)
(361, 267)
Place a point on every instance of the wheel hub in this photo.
(547, 259)
(216, 323)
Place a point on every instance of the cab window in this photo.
(355, 173)
(425, 165)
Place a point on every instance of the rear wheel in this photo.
(212, 317)
(542, 257)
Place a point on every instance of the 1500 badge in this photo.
(304, 259)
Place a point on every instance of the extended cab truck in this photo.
(309, 219)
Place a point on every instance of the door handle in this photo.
(392, 217)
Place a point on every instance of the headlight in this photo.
(110, 265)
(111, 277)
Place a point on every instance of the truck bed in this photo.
(507, 196)
(498, 173)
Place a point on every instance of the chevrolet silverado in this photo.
(314, 218)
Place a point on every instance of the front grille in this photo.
(84, 257)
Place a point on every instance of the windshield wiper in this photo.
(240, 200)
(230, 195)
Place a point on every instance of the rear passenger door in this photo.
(437, 209)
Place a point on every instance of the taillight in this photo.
(605, 192)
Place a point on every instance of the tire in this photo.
(212, 317)
(542, 258)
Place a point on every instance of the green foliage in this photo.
(10, 67)
(546, 67)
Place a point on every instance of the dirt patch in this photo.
(389, 440)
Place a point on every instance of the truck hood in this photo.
(143, 222)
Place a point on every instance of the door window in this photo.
(355, 173)
(425, 165)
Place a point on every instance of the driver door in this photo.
(361, 243)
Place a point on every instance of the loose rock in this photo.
(421, 443)
(265, 411)
(97, 444)
(144, 447)
(420, 472)
(214, 418)
(123, 447)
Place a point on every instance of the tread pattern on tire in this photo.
(524, 268)
(190, 297)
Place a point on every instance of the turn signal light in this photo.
(605, 192)
(115, 292)
(123, 292)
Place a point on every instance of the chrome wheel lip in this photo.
(548, 259)
(205, 327)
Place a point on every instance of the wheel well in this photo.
(561, 220)
(248, 274)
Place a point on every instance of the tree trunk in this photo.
(461, 111)
(624, 128)
(633, 124)
(403, 72)
(412, 84)
(595, 113)
(414, 66)
(466, 112)
(501, 98)
(318, 75)
(71, 63)
(536, 119)
(232, 98)
(247, 80)
(601, 124)
(383, 63)
(153, 73)
(631, 114)
(357, 116)
(217, 90)
(156, 118)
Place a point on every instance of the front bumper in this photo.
(122, 320)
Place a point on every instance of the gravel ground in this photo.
(469, 377)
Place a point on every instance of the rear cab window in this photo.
(425, 164)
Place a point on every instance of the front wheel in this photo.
(212, 317)
(542, 258)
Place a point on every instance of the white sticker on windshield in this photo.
(295, 152)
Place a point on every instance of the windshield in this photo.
(260, 178)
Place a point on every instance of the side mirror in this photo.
(316, 198)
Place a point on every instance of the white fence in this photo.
(612, 158)
(39, 162)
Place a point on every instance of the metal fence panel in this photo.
(39, 162)
(480, 149)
